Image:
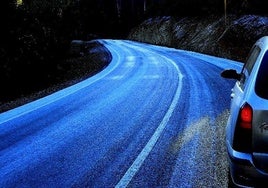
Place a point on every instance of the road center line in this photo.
(134, 168)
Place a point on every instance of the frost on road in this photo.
(202, 160)
(90, 134)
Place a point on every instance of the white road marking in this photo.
(134, 168)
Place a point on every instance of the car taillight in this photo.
(243, 130)
(245, 116)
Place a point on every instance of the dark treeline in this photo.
(36, 34)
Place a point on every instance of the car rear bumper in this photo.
(242, 170)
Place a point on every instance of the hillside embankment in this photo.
(229, 37)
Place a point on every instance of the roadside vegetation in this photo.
(210, 35)
(35, 58)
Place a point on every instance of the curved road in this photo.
(155, 117)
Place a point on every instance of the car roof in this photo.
(263, 43)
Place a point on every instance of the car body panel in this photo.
(236, 101)
(260, 131)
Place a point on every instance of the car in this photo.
(247, 125)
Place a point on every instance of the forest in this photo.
(36, 34)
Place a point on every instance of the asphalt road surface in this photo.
(155, 117)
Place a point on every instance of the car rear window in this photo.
(248, 66)
(261, 86)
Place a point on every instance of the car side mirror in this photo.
(230, 73)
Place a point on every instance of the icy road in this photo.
(155, 117)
